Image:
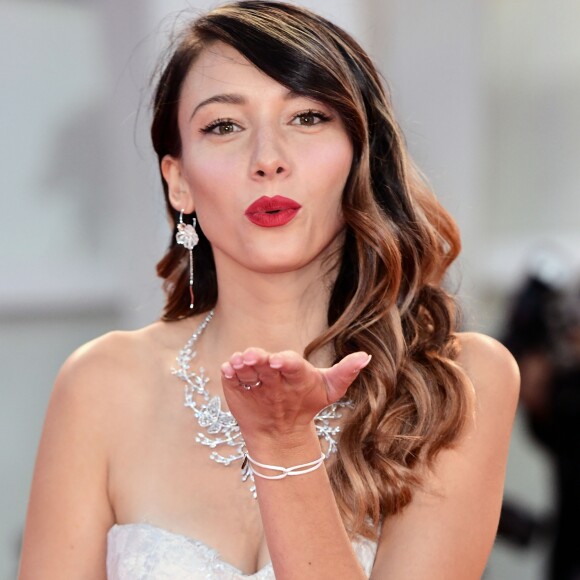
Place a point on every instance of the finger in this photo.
(243, 364)
(288, 362)
(228, 371)
(258, 360)
(229, 378)
(232, 380)
(340, 376)
(236, 360)
(254, 356)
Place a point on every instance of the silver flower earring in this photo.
(187, 237)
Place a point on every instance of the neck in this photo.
(274, 311)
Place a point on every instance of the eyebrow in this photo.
(231, 99)
(234, 99)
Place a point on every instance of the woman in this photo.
(319, 248)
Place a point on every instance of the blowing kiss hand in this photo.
(290, 394)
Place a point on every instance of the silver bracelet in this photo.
(284, 471)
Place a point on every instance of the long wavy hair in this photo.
(387, 299)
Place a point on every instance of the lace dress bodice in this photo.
(146, 552)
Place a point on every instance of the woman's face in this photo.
(263, 168)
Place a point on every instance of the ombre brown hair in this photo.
(412, 400)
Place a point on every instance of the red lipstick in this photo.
(271, 212)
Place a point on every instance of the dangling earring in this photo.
(188, 238)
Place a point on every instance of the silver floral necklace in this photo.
(222, 433)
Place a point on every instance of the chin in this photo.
(284, 264)
(277, 267)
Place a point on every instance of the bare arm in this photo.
(69, 512)
(304, 531)
(447, 531)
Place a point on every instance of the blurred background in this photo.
(488, 94)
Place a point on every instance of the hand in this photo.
(290, 390)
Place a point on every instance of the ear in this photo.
(180, 195)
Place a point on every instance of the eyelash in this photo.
(322, 117)
(217, 123)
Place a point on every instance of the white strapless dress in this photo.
(146, 552)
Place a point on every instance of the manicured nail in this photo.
(238, 365)
(227, 373)
(275, 363)
(365, 363)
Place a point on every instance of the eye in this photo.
(310, 118)
(221, 127)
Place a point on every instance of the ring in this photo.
(249, 386)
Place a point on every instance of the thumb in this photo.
(340, 376)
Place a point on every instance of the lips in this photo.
(270, 212)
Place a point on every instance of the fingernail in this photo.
(226, 371)
(365, 363)
(275, 363)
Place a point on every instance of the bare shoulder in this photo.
(70, 510)
(104, 394)
(491, 368)
(495, 377)
(103, 373)
(112, 347)
(117, 354)
(448, 529)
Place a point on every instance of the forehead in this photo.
(220, 68)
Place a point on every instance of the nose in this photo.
(269, 157)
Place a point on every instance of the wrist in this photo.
(299, 444)
(277, 472)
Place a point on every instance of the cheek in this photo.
(213, 179)
(331, 163)
(335, 164)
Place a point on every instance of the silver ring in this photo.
(249, 386)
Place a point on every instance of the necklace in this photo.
(221, 431)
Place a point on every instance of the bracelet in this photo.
(284, 471)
